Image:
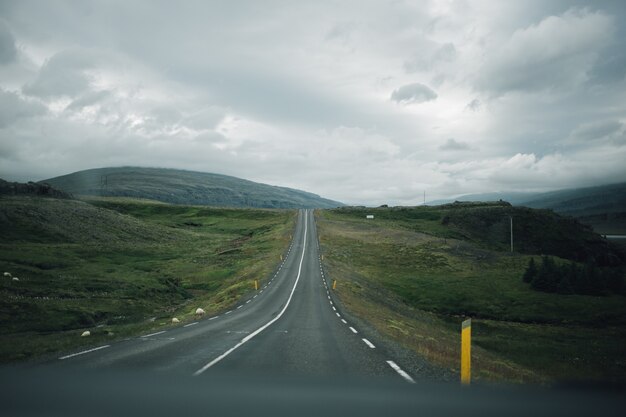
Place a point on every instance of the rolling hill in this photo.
(603, 207)
(185, 187)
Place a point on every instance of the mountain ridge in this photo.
(185, 187)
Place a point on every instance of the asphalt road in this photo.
(290, 327)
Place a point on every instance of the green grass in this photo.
(118, 267)
(418, 284)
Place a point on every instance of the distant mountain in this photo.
(603, 207)
(185, 187)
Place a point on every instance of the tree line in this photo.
(571, 278)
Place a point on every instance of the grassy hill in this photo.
(602, 207)
(416, 273)
(185, 187)
(120, 266)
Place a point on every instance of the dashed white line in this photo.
(191, 324)
(83, 352)
(343, 321)
(213, 318)
(248, 301)
(154, 334)
(338, 315)
(255, 296)
(239, 307)
(269, 323)
(353, 330)
(334, 309)
(368, 343)
(401, 372)
(228, 312)
(331, 303)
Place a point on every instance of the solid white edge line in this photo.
(269, 323)
(154, 334)
(83, 352)
(191, 324)
(401, 372)
(353, 330)
(368, 343)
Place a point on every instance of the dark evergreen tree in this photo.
(531, 271)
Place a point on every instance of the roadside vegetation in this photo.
(416, 273)
(117, 267)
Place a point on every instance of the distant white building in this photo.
(369, 216)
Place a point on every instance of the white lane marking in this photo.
(331, 303)
(368, 343)
(213, 318)
(401, 372)
(239, 307)
(343, 321)
(338, 315)
(260, 291)
(255, 296)
(334, 309)
(269, 323)
(353, 330)
(154, 334)
(228, 312)
(191, 324)
(328, 297)
(83, 352)
(248, 301)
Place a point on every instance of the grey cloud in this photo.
(454, 145)
(474, 105)
(64, 74)
(424, 61)
(8, 51)
(88, 99)
(596, 130)
(557, 52)
(13, 107)
(413, 93)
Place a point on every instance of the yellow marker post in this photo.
(256, 284)
(466, 351)
(334, 284)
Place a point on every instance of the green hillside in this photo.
(120, 266)
(185, 187)
(415, 273)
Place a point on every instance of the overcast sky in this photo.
(359, 101)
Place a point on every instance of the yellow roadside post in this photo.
(256, 285)
(334, 284)
(466, 351)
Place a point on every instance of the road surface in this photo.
(292, 326)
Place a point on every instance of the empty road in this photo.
(291, 326)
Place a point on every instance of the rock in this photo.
(175, 320)
(7, 274)
(15, 279)
(86, 333)
(199, 311)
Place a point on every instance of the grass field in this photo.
(119, 266)
(415, 279)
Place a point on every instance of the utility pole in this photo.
(424, 197)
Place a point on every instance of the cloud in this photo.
(424, 61)
(453, 145)
(555, 53)
(413, 93)
(64, 74)
(474, 105)
(13, 107)
(8, 51)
